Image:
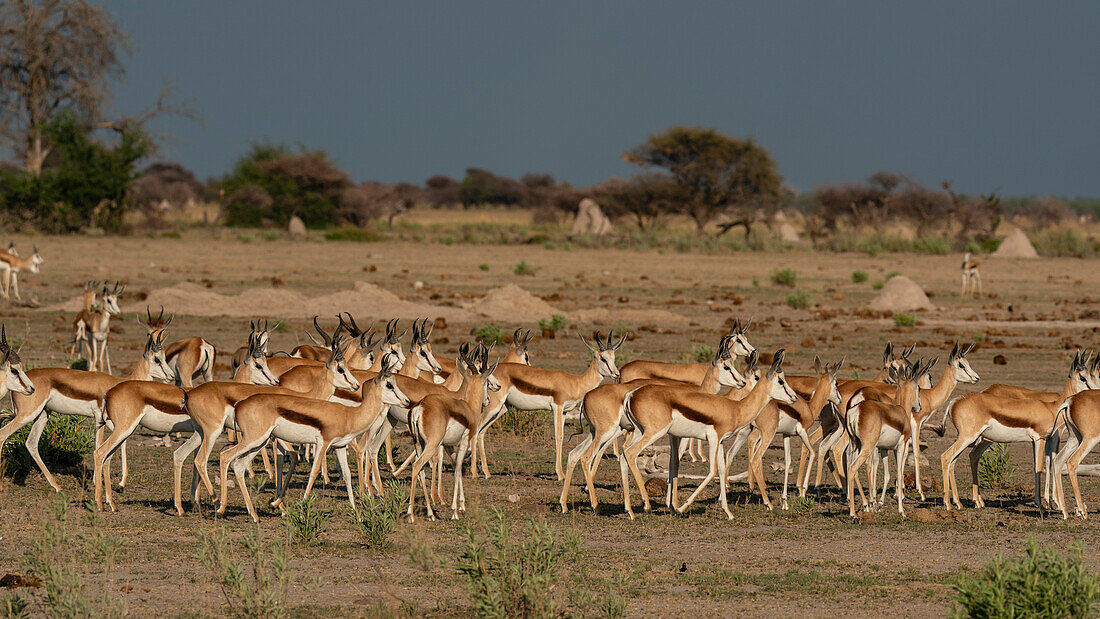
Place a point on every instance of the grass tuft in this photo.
(305, 520)
(859, 276)
(378, 515)
(784, 277)
(798, 300)
(905, 320)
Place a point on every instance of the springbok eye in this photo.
(389, 386)
(781, 382)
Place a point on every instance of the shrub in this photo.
(557, 322)
(1042, 583)
(65, 441)
(932, 245)
(305, 520)
(798, 300)
(271, 235)
(784, 277)
(79, 364)
(357, 235)
(490, 333)
(905, 320)
(978, 336)
(528, 424)
(878, 285)
(523, 268)
(484, 266)
(892, 274)
(256, 586)
(995, 468)
(506, 577)
(859, 276)
(702, 353)
(245, 238)
(375, 521)
(1063, 243)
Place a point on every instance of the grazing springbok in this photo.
(607, 421)
(439, 421)
(983, 419)
(66, 391)
(300, 420)
(531, 388)
(656, 411)
(11, 265)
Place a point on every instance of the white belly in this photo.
(158, 421)
(684, 427)
(68, 406)
(399, 415)
(526, 402)
(454, 433)
(1000, 433)
(788, 426)
(888, 437)
(296, 432)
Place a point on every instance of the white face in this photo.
(925, 381)
(964, 373)
(395, 349)
(741, 346)
(834, 393)
(728, 375)
(914, 388)
(781, 391)
(425, 359)
(391, 393)
(110, 303)
(344, 379)
(16, 380)
(36, 261)
(607, 366)
(261, 374)
(159, 369)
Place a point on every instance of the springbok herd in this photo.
(355, 385)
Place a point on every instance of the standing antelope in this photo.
(983, 419)
(603, 408)
(971, 277)
(452, 420)
(300, 420)
(1081, 413)
(657, 410)
(99, 327)
(882, 426)
(530, 388)
(12, 265)
(687, 372)
(517, 353)
(76, 392)
(191, 357)
(81, 343)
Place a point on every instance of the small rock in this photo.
(656, 487)
(1000, 360)
(167, 440)
(418, 285)
(513, 498)
(867, 518)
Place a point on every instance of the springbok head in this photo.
(604, 352)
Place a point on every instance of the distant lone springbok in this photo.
(971, 277)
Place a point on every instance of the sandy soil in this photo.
(763, 563)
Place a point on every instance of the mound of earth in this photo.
(513, 304)
(1016, 245)
(604, 317)
(900, 294)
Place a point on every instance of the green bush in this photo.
(528, 424)
(932, 245)
(305, 520)
(859, 276)
(702, 353)
(995, 468)
(490, 333)
(357, 235)
(1063, 243)
(878, 285)
(484, 266)
(905, 320)
(65, 441)
(523, 268)
(784, 277)
(1042, 583)
(507, 577)
(557, 322)
(798, 300)
(255, 586)
(375, 521)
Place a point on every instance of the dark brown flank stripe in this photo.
(90, 387)
(530, 388)
(692, 414)
(296, 417)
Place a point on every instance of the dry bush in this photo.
(1047, 212)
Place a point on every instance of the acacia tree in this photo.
(716, 173)
(646, 197)
(60, 56)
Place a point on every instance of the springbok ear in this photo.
(931, 364)
(753, 359)
(954, 352)
(745, 327)
(777, 359)
(888, 354)
(817, 366)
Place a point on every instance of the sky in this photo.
(991, 95)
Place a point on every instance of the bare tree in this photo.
(978, 218)
(60, 55)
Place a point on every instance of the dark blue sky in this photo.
(988, 94)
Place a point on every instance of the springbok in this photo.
(983, 419)
(15, 380)
(530, 388)
(99, 327)
(883, 426)
(191, 358)
(971, 277)
(687, 372)
(657, 410)
(603, 408)
(440, 421)
(80, 342)
(12, 265)
(300, 420)
(66, 391)
(1081, 413)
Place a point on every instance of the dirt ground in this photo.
(808, 561)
